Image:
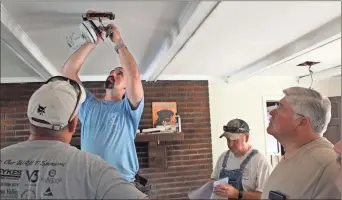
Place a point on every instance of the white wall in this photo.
(244, 100)
(329, 87)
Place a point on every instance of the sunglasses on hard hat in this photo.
(234, 130)
(73, 83)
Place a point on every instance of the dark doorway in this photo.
(333, 133)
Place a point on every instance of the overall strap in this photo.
(249, 157)
(224, 164)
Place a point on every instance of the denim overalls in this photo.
(235, 176)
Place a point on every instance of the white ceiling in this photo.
(183, 40)
(144, 26)
(329, 56)
(239, 33)
(13, 66)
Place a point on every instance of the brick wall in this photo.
(189, 161)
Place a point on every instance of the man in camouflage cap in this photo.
(247, 169)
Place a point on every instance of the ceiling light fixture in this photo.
(309, 64)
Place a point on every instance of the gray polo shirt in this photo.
(55, 170)
(309, 174)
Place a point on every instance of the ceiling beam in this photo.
(10, 48)
(185, 77)
(161, 77)
(93, 78)
(20, 43)
(190, 21)
(21, 80)
(331, 72)
(315, 39)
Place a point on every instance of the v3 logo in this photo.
(33, 176)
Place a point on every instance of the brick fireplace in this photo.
(188, 160)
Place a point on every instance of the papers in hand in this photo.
(223, 181)
(203, 192)
(206, 191)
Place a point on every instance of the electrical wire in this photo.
(311, 75)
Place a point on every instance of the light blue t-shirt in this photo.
(109, 129)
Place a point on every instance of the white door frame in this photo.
(268, 137)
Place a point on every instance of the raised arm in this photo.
(73, 65)
(134, 87)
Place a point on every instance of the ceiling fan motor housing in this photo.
(85, 34)
(89, 29)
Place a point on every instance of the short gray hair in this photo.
(35, 130)
(311, 104)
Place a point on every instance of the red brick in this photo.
(188, 120)
(187, 173)
(202, 156)
(22, 121)
(21, 109)
(152, 90)
(22, 133)
(171, 90)
(195, 162)
(186, 110)
(7, 133)
(16, 127)
(16, 115)
(3, 128)
(177, 158)
(200, 151)
(6, 122)
(189, 125)
(203, 130)
(176, 189)
(195, 105)
(173, 196)
(11, 105)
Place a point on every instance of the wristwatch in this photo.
(118, 46)
(240, 195)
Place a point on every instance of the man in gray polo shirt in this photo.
(309, 165)
(46, 166)
(246, 168)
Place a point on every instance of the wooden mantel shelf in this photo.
(161, 137)
(156, 146)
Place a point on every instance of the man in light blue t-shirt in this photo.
(109, 125)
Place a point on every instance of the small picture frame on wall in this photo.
(164, 114)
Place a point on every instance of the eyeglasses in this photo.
(279, 109)
(235, 129)
(74, 84)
